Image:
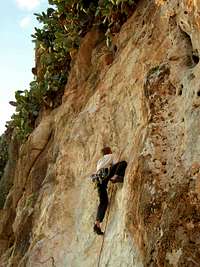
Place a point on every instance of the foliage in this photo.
(3, 153)
(27, 109)
(63, 26)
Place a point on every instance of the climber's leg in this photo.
(118, 172)
(103, 204)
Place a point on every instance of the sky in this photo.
(17, 23)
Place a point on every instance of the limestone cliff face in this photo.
(142, 100)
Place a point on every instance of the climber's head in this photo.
(106, 150)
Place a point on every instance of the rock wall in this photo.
(143, 100)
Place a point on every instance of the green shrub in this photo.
(63, 26)
(3, 153)
(27, 109)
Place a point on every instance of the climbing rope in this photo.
(108, 211)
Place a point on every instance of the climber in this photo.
(107, 170)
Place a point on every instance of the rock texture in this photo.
(142, 100)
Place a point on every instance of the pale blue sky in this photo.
(16, 50)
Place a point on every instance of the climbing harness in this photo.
(100, 176)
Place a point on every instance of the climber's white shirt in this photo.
(106, 162)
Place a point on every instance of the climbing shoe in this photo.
(97, 230)
(117, 179)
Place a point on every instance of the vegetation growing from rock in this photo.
(63, 26)
(3, 153)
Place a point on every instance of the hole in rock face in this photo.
(192, 57)
(198, 93)
(195, 58)
(185, 12)
(180, 92)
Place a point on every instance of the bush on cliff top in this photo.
(64, 24)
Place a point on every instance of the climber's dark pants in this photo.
(103, 202)
(119, 169)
